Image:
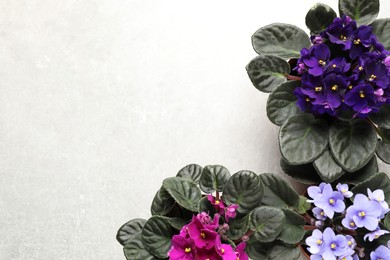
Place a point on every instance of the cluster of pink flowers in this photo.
(201, 239)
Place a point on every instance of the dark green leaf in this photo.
(162, 203)
(293, 230)
(327, 168)
(386, 221)
(302, 139)
(282, 103)
(185, 192)
(278, 192)
(191, 171)
(382, 118)
(381, 28)
(177, 223)
(352, 143)
(383, 151)
(238, 227)
(267, 72)
(156, 236)
(245, 189)
(213, 178)
(361, 175)
(319, 17)
(256, 250)
(304, 173)
(206, 206)
(283, 40)
(363, 11)
(283, 252)
(378, 181)
(135, 249)
(129, 230)
(303, 206)
(267, 223)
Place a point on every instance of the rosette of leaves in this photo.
(329, 130)
(269, 216)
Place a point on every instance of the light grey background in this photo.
(101, 100)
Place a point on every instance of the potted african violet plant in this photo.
(329, 92)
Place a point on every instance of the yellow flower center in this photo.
(187, 250)
(352, 224)
(356, 41)
(334, 87)
(360, 68)
(217, 202)
(350, 87)
(222, 251)
(322, 213)
(333, 245)
(362, 214)
(322, 63)
(334, 66)
(342, 37)
(319, 242)
(318, 89)
(331, 201)
(307, 99)
(361, 94)
(202, 235)
(372, 77)
(349, 243)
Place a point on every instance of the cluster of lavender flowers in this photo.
(346, 68)
(364, 213)
(201, 239)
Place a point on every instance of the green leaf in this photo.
(293, 231)
(206, 206)
(361, 175)
(129, 230)
(213, 178)
(319, 17)
(302, 139)
(363, 11)
(238, 227)
(162, 203)
(282, 103)
(135, 249)
(256, 250)
(383, 151)
(382, 118)
(177, 223)
(184, 192)
(267, 72)
(283, 40)
(352, 143)
(278, 192)
(381, 28)
(191, 172)
(283, 252)
(378, 181)
(304, 173)
(303, 206)
(245, 189)
(156, 236)
(267, 223)
(386, 221)
(327, 168)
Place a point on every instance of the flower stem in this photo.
(291, 77)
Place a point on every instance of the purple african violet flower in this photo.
(343, 189)
(351, 244)
(230, 212)
(315, 191)
(240, 252)
(316, 39)
(381, 253)
(330, 201)
(338, 65)
(319, 213)
(361, 41)
(387, 63)
(340, 31)
(365, 213)
(379, 196)
(361, 98)
(182, 248)
(377, 73)
(334, 245)
(202, 237)
(349, 223)
(315, 242)
(225, 251)
(375, 234)
(317, 59)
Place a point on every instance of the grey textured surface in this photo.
(101, 100)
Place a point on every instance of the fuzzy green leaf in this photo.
(304, 173)
(267, 223)
(267, 72)
(282, 103)
(283, 40)
(361, 175)
(378, 181)
(302, 139)
(283, 252)
(213, 178)
(191, 171)
(319, 17)
(293, 230)
(156, 236)
(162, 203)
(327, 168)
(135, 249)
(129, 230)
(363, 11)
(184, 192)
(381, 28)
(238, 227)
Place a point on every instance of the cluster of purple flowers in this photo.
(365, 212)
(201, 239)
(346, 68)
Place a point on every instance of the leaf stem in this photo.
(291, 77)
